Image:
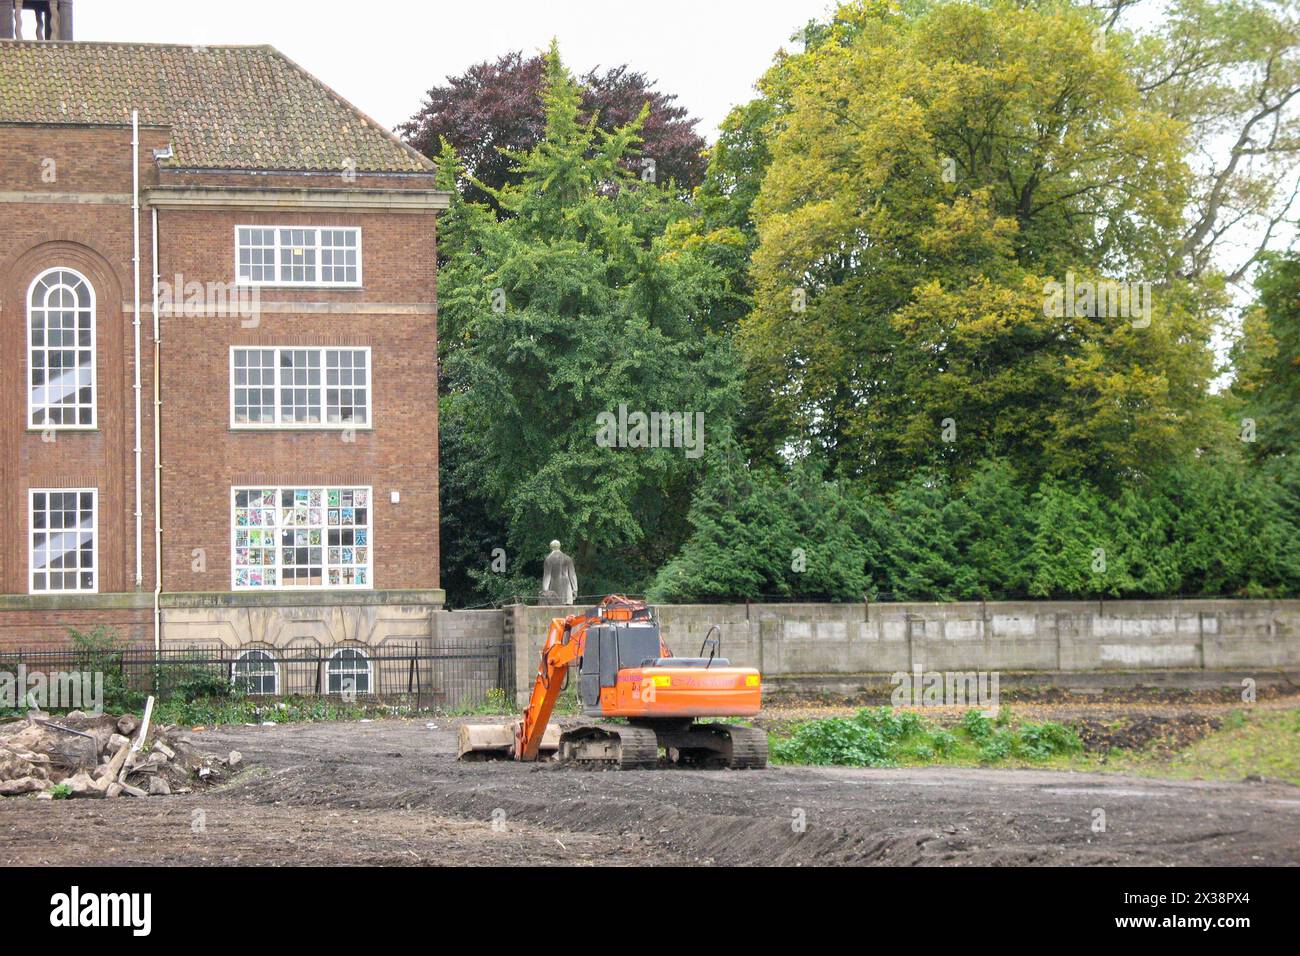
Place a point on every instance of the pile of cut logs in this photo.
(81, 755)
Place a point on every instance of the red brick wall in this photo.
(202, 456)
(29, 629)
(94, 239)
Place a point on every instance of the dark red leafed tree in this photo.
(498, 104)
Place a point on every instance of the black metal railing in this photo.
(440, 674)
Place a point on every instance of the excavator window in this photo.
(637, 643)
(609, 649)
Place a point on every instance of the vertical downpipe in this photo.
(135, 262)
(157, 451)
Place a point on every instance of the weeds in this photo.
(977, 726)
(1048, 739)
(881, 737)
(997, 747)
(836, 740)
(498, 702)
(100, 650)
(248, 710)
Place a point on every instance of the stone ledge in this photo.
(129, 600)
(273, 198)
(218, 599)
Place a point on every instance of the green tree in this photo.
(760, 535)
(995, 529)
(1238, 530)
(570, 307)
(1267, 360)
(1229, 72)
(933, 166)
(1144, 523)
(1075, 551)
(924, 556)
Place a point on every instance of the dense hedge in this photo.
(1212, 528)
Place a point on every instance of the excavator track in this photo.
(714, 745)
(748, 747)
(614, 746)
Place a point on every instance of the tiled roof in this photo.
(229, 107)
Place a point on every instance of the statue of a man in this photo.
(559, 575)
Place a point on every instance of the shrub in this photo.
(835, 740)
(979, 727)
(101, 650)
(998, 746)
(1040, 741)
(943, 741)
(203, 683)
(887, 723)
(879, 737)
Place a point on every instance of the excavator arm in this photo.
(565, 640)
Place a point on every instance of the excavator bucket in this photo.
(497, 741)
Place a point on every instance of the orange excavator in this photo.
(626, 670)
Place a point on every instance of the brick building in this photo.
(218, 393)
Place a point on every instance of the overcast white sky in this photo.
(383, 55)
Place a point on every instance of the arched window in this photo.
(349, 671)
(256, 672)
(61, 350)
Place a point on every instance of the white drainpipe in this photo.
(135, 237)
(157, 451)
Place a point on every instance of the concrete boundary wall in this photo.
(793, 644)
(803, 648)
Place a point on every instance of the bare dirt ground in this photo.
(390, 792)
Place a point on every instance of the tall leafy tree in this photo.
(934, 167)
(1236, 531)
(496, 106)
(1267, 360)
(572, 306)
(1229, 72)
(995, 519)
(1075, 553)
(925, 557)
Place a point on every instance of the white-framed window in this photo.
(325, 387)
(298, 255)
(60, 350)
(64, 553)
(301, 537)
(348, 671)
(256, 672)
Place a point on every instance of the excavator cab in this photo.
(609, 649)
(626, 670)
(634, 652)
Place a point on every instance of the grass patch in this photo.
(497, 703)
(1264, 743)
(881, 737)
(209, 711)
